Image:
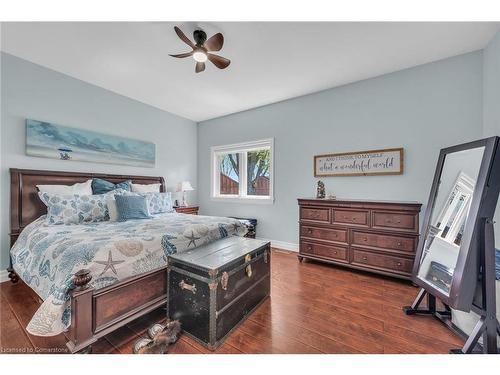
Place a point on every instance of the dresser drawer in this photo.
(315, 214)
(326, 234)
(356, 217)
(395, 220)
(324, 251)
(384, 241)
(386, 262)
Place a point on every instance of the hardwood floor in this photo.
(314, 308)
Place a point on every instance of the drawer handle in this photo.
(353, 219)
(335, 252)
(309, 247)
(309, 230)
(399, 264)
(186, 286)
(399, 244)
(365, 258)
(365, 239)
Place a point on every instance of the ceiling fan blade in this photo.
(200, 67)
(214, 43)
(219, 61)
(183, 37)
(181, 55)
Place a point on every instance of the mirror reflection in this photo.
(449, 218)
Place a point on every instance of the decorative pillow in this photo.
(110, 201)
(159, 202)
(83, 188)
(74, 209)
(131, 207)
(150, 188)
(100, 186)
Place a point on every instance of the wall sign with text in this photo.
(361, 163)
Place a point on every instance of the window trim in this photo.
(237, 148)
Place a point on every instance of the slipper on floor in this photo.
(147, 346)
(140, 344)
(166, 336)
(155, 329)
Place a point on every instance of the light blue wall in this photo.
(491, 87)
(32, 91)
(491, 102)
(422, 109)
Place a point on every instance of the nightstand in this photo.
(193, 210)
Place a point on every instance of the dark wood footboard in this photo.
(95, 313)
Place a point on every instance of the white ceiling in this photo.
(270, 61)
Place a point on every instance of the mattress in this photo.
(47, 256)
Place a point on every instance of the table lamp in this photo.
(184, 186)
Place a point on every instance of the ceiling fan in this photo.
(202, 48)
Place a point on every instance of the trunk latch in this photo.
(248, 269)
(184, 285)
(223, 280)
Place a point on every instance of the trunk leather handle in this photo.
(184, 285)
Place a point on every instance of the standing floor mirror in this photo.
(455, 260)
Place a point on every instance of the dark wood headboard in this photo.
(26, 206)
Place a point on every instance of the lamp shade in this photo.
(184, 186)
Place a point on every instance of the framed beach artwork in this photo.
(361, 163)
(49, 140)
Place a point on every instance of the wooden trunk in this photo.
(375, 236)
(213, 288)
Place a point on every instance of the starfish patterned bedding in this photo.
(46, 256)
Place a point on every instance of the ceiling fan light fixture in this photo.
(200, 56)
(201, 48)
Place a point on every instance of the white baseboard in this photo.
(4, 276)
(282, 245)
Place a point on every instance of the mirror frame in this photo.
(483, 205)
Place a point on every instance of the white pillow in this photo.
(112, 210)
(150, 188)
(83, 188)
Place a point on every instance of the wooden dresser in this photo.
(375, 236)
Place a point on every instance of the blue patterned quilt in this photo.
(46, 256)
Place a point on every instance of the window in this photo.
(243, 172)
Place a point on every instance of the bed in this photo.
(96, 277)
